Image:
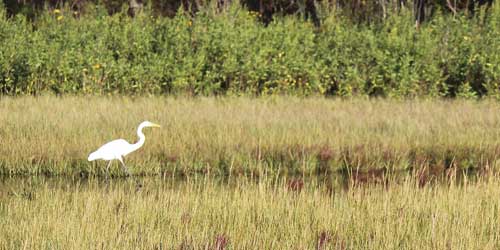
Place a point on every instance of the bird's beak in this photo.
(155, 125)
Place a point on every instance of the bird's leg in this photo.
(124, 167)
(107, 169)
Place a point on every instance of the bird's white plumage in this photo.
(117, 149)
(112, 150)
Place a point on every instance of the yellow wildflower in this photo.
(96, 66)
(57, 11)
(59, 18)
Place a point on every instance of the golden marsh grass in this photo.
(231, 136)
(151, 213)
(263, 138)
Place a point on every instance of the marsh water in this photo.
(333, 182)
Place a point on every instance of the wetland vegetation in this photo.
(364, 132)
(241, 213)
(249, 136)
(239, 173)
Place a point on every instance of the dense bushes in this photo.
(232, 53)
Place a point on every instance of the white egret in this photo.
(117, 149)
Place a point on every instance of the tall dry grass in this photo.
(205, 214)
(230, 136)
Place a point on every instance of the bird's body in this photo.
(112, 150)
(117, 149)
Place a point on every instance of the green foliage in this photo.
(231, 52)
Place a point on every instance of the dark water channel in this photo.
(333, 182)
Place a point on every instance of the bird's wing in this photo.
(111, 150)
(115, 144)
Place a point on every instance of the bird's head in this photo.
(149, 124)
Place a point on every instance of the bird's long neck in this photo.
(141, 141)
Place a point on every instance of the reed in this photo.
(232, 136)
(207, 214)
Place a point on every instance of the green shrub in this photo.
(231, 52)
